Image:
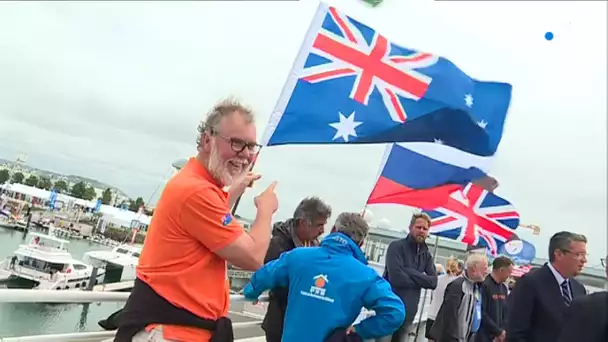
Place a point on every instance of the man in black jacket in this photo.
(541, 298)
(409, 268)
(302, 230)
(587, 318)
(494, 302)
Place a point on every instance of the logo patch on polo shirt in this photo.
(226, 219)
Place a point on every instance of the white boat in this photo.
(64, 233)
(119, 263)
(47, 262)
(100, 239)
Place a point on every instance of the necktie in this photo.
(566, 293)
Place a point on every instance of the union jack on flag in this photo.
(372, 64)
(520, 271)
(350, 84)
(476, 217)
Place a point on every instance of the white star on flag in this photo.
(482, 124)
(468, 100)
(438, 141)
(346, 127)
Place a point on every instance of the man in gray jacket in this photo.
(409, 268)
(459, 317)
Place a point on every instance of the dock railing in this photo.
(83, 297)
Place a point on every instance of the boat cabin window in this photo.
(127, 252)
(122, 251)
(79, 267)
(42, 265)
(55, 267)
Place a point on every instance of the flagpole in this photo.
(426, 290)
(290, 84)
(238, 200)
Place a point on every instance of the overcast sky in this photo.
(114, 91)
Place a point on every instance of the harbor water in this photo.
(25, 319)
(17, 319)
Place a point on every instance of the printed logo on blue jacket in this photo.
(317, 290)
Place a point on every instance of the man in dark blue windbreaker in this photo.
(409, 269)
(328, 286)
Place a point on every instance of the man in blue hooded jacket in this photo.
(328, 286)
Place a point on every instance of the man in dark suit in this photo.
(541, 298)
(587, 318)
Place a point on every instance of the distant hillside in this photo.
(71, 178)
(94, 183)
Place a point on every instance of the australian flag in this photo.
(349, 84)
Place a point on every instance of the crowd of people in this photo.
(318, 288)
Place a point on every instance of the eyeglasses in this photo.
(239, 145)
(578, 255)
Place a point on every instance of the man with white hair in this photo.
(459, 317)
(181, 292)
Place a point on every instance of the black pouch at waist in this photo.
(340, 335)
(145, 307)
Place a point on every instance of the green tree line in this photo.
(78, 190)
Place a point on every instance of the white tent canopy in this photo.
(123, 217)
(109, 213)
(45, 194)
(27, 190)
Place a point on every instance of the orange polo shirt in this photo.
(191, 221)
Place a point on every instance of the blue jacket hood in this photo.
(341, 243)
(328, 286)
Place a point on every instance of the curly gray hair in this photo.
(311, 209)
(220, 110)
(352, 225)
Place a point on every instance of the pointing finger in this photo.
(272, 186)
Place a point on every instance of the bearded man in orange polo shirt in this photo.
(182, 290)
